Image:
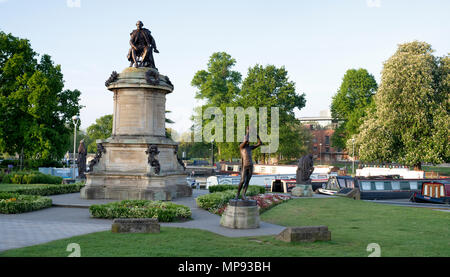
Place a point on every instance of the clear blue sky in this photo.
(317, 41)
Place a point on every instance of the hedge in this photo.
(13, 203)
(30, 178)
(218, 188)
(32, 163)
(163, 211)
(216, 200)
(44, 190)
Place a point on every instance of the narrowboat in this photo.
(378, 188)
(337, 184)
(286, 185)
(256, 180)
(283, 185)
(437, 192)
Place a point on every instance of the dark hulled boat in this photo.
(437, 192)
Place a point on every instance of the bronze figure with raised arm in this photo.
(247, 163)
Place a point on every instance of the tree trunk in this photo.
(418, 166)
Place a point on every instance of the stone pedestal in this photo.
(302, 191)
(241, 214)
(135, 225)
(305, 234)
(138, 161)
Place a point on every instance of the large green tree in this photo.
(218, 86)
(410, 121)
(101, 129)
(269, 86)
(265, 86)
(349, 105)
(36, 110)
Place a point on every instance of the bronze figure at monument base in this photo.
(304, 169)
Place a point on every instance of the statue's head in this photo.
(139, 24)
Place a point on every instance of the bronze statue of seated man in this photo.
(142, 47)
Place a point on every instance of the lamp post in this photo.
(212, 152)
(75, 120)
(353, 162)
(320, 152)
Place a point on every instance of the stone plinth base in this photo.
(138, 161)
(135, 225)
(305, 234)
(123, 171)
(241, 214)
(302, 191)
(135, 186)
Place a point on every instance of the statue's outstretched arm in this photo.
(246, 138)
(258, 144)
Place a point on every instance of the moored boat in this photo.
(379, 188)
(437, 192)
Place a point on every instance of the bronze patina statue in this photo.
(247, 163)
(81, 161)
(142, 47)
(304, 169)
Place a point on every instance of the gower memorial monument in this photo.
(138, 161)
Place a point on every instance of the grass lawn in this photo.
(400, 231)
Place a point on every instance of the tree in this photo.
(410, 121)
(267, 86)
(219, 87)
(37, 111)
(101, 129)
(193, 149)
(350, 103)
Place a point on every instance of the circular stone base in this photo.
(241, 214)
(302, 191)
(242, 203)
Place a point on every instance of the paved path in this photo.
(70, 217)
(20, 230)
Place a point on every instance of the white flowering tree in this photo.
(410, 121)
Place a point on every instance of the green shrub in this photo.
(216, 200)
(7, 179)
(49, 189)
(252, 189)
(13, 203)
(164, 211)
(33, 177)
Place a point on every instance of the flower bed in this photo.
(217, 202)
(163, 211)
(270, 200)
(14, 203)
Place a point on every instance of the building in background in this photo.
(322, 129)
